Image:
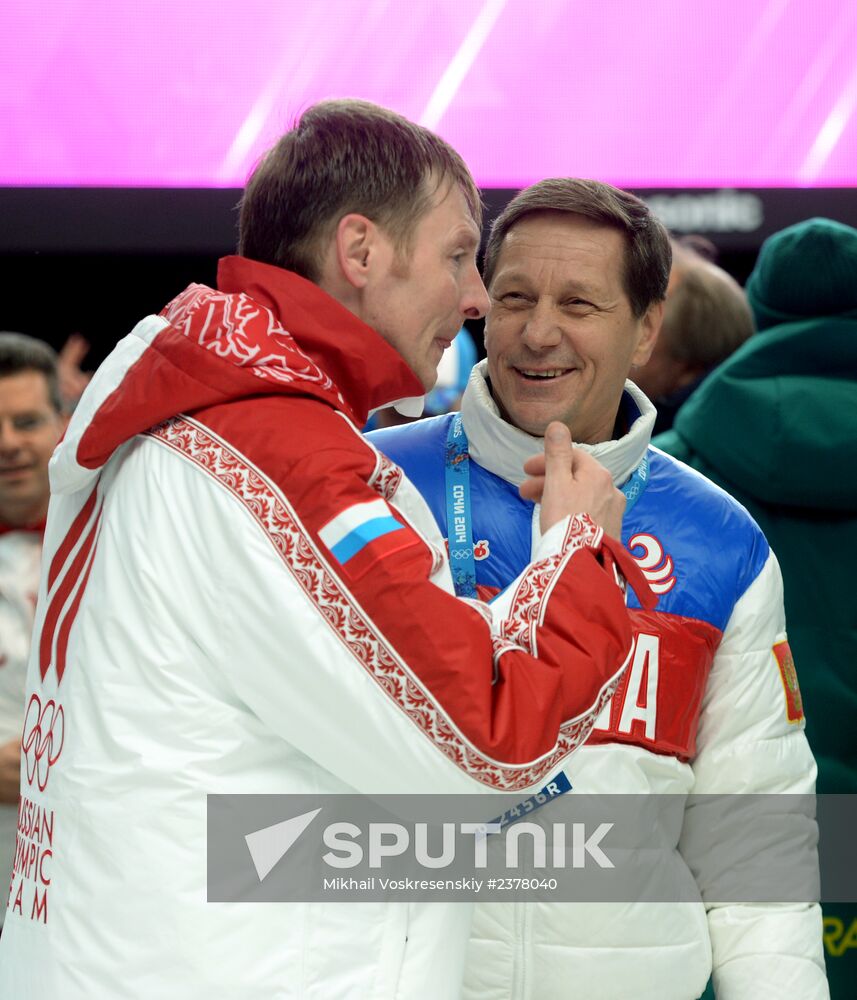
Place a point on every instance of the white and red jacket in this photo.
(709, 705)
(20, 559)
(205, 626)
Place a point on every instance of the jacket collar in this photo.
(367, 371)
(501, 448)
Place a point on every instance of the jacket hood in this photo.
(778, 419)
(263, 331)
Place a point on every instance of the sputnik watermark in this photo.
(350, 846)
(392, 840)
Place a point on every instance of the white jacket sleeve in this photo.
(748, 744)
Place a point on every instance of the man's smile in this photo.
(541, 374)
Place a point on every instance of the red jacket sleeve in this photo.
(505, 701)
(523, 693)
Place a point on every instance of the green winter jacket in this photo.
(776, 426)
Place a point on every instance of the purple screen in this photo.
(749, 93)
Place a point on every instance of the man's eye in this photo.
(28, 423)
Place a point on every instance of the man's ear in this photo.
(650, 325)
(356, 244)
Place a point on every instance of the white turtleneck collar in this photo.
(501, 448)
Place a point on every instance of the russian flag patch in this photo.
(788, 675)
(362, 533)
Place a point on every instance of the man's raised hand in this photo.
(566, 480)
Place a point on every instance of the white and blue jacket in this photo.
(710, 704)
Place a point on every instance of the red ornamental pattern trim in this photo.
(347, 620)
(577, 731)
(386, 478)
(584, 531)
(237, 328)
(535, 586)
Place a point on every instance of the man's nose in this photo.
(542, 329)
(475, 302)
(10, 438)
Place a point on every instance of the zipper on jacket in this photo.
(523, 925)
(402, 933)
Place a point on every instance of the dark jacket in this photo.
(776, 426)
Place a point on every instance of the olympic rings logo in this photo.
(42, 739)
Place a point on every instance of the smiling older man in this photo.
(577, 272)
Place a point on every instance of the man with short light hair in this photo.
(577, 274)
(242, 595)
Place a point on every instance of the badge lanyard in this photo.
(458, 521)
(636, 484)
(459, 529)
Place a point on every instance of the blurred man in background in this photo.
(706, 318)
(31, 423)
(776, 425)
(577, 272)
